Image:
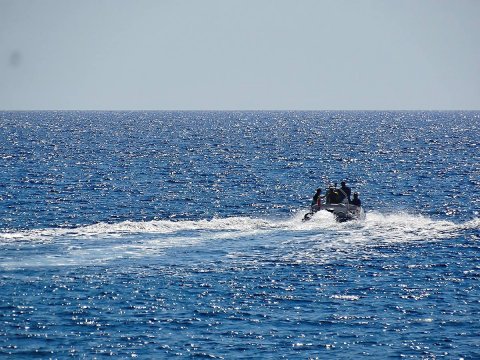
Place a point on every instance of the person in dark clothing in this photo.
(345, 190)
(316, 197)
(316, 201)
(332, 195)
(315, 206)
(356, 201)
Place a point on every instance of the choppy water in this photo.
(163, 234)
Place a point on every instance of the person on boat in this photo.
(356, 201)
(332, 196)
(316, 201)
(315, 206)
(345, 191)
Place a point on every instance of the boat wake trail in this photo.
(238, 237)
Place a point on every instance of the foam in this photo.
(393, 227)
(243, 239)
(131, 227)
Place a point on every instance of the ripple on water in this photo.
(160, 234)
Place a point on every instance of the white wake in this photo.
(286, 238)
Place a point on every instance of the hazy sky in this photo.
(239, 54)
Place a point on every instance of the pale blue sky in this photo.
(239, 54)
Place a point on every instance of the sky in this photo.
(239, 55)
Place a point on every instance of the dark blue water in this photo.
(164, 234)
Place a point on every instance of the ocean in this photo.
(180, 234)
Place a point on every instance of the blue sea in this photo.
(180, 234)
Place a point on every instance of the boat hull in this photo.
(342, 212)
(345, 212)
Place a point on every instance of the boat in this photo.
(343, 210)
(346, 212)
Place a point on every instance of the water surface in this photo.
(164, 234)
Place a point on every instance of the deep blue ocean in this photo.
(179, 234)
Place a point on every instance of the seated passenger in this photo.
(316, 201)
(356, 201)
(332, 196)
(346, 191)
(316, 197)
